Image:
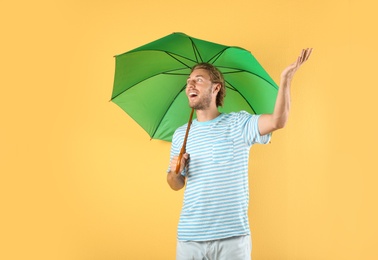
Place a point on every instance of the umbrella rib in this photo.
(165, 72)
(166, 111)
(231, 72)
(195, 50)
(219, 54)
(250, 105)
(169, 54)
(216, 56)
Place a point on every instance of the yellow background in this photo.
(81, 180)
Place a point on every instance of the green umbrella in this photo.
(150, 81)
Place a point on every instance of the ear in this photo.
(217, 88)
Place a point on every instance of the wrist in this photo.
(285, 82)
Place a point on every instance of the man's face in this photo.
(199, 89)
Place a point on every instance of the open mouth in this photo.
(193, 94)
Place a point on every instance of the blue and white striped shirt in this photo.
(216, 196)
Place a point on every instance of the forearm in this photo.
(175, 181)
(282, 106)
(277, 120)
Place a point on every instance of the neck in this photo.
(207, 115)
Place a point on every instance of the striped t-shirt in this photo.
(216, 196)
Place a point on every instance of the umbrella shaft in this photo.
(183, 148)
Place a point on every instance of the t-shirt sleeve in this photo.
(250, 129)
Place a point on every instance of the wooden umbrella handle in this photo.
(183, 148)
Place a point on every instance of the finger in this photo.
(305, 55)
(298, 62)
(178, 167)
(185, 159)
(308, 53)
(174, 159)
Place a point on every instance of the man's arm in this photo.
(175, 180)
(271, 122)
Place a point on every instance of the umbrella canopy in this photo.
(150, 81)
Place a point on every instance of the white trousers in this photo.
(234, 248)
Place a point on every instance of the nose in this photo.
(190, 85)
(190, 82)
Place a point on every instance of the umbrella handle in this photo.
(183, 148)
(178, 165)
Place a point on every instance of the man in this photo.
(214, 218)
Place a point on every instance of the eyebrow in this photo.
(197, 76)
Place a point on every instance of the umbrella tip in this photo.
(179, 33)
